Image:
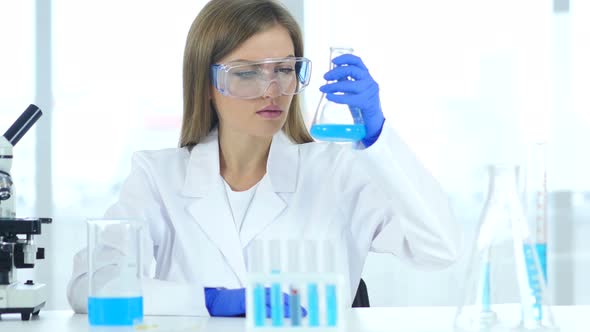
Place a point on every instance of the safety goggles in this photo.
(251, 79)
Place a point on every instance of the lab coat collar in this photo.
(202, 173)
(203, 168)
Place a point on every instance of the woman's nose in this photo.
(273, 90)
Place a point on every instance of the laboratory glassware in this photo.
(310, 266)
(276, 294)
(295, 289)
(256, 265)
(316, 295)
(536, 198)
(337, 122)
(114, 272)
(505, 289)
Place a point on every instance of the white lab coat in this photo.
(379, 199)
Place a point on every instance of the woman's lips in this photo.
(269, 114)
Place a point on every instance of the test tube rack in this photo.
(320, 294)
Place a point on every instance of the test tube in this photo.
(294, 292)
(536, 210)
(311, 266)
(540, 188)
(331, 291)
(256, 263)
(541, 221)
(276, 294)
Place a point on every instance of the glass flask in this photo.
(505, 289)
(114, 273)
(337, 122)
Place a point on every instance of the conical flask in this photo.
(337, 122)
(505, 289)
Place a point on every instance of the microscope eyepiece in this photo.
(24, 122)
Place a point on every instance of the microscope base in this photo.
(26, 299)
(25, 313)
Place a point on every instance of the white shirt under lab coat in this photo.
(378, 199)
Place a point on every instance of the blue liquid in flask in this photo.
(115, 311)
(338, 132)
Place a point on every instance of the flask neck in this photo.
(503, 179)
(503, 210)
(336, 52)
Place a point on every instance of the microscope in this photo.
(17, 246)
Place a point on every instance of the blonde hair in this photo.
(221, 27)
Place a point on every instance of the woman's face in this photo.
(265, 115)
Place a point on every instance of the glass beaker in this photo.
(505, 288)
(337, 122)
(114, 272)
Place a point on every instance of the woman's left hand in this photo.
(357, 89)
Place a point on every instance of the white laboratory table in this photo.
(399, 319)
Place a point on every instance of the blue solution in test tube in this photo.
(276, 294)
(313, 307)
(295, 306)
(259, 305)
(331, 305)
(311, 266)
(276, 304)
(293, 267)
(330, 289)
(256, 265)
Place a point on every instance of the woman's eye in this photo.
(285, 70)
(246, 74)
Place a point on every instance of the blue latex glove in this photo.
(222, 302)
(361, 92)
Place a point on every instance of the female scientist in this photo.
(248, 169)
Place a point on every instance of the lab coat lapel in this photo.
(208, 204)
(281, 177)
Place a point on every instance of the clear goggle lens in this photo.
(248, 80)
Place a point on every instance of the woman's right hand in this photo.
(223, 302)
